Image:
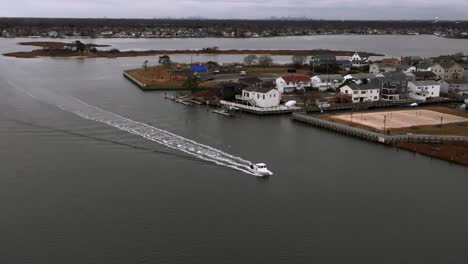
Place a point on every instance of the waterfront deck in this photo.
(263, 111)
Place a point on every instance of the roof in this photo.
(423, 65)
(424, 83)
(357, 87)
(393, 76)
(198, 68)
(424, 74)
(362, 54)
(330, 77)
(359, 76)
(258, 89)
(455, 81)
(296, 78)
(447, 65)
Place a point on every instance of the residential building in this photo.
(448, 71)
(394, 85)
(422, 90)
(424, 76)
(260, 96)
(361, 93)
(382, 67)
(344, 64)
(326, 81)
(359, 59)
(287, 84)
(322, 59)
(453, 86)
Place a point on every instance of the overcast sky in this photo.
(318, 9)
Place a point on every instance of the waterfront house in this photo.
(344, 64)
(259, 96)
(382, 67)
(361, 93)
(453, 86)
(359, 59)
(393, 85)
(422, 90)
(327, 81)
(288, 84)
(322, 59)
(448, 71)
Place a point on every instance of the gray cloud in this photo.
(319, 9)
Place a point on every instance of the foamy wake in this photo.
(168, 139)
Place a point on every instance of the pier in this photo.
(373, 136)
(281, 109)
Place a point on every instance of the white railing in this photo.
(261, 109)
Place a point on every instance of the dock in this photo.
(277, 110)
(373, 136)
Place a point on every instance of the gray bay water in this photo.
(80, 185)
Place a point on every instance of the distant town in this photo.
(203, 28)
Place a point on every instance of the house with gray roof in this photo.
(361, 93)
(448, 70)
(422, 90)
(382, 67)
(453, 86)
(359, 59)
(327, 81)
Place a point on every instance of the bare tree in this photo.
(265, 60)
(298, 60)
(250, 59)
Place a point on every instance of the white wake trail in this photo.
(168, 139)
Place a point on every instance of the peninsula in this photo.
(64, 50)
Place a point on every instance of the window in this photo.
(355, 92)
(258, 96)
(263, 97)
(375, 97)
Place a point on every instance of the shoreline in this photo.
(132, 53)
(57, 50)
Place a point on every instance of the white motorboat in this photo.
(260, 169)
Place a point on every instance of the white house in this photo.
(359, 59)
(358, 77)
(260, 96)
(361, 93)
(326, 81)
(453, 85)
(421, 90)
(382, 67)
(287, 84)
